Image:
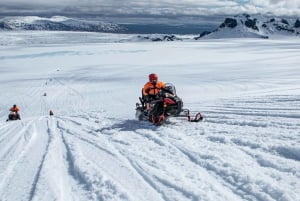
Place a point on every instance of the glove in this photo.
(146, 99)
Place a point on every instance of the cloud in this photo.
(150, 7)
(277, 7)
(286, 4)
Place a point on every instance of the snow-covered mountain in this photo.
(258, 26)
(240, 26)
(57, 23)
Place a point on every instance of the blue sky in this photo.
(152, 7)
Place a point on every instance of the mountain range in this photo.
(57, 23)
(239, 26)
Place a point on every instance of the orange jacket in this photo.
(14, 109)
(149, 89)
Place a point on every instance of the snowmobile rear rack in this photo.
(196, 118)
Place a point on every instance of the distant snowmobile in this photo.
(13, 116)
(168, 104)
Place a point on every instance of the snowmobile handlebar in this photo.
(160, 90)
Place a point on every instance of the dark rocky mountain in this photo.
(243, 26)
(157, 38)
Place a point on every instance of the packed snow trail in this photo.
(247, 147)
(76, 157)
(22, 156)
(82, 152)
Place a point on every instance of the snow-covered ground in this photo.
(93, 148)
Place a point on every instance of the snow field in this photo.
(93, 148)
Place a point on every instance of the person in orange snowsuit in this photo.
(14, 108)
(151, 89)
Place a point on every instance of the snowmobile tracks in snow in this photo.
(162, 162)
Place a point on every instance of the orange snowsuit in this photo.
(150, 89)
(14, 109)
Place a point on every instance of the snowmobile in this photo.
(166, 104)
(13, 116)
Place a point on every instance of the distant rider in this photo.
(15, 109)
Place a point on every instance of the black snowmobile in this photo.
(166, 104)
(13, 116)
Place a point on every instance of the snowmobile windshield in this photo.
(171, 88)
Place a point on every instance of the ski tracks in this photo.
(36, 163)
(76, 157)
(155, 159)
(247, 128)
(22, 160)
(54, 181)
(97, 160)
(250, 131)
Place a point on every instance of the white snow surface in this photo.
(93, 148)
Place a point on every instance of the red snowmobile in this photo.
(166, 104)
(13, 116)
